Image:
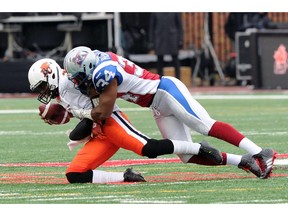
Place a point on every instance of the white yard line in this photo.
(27, 111)
(217, 97)
(210, 97)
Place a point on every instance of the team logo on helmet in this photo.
(45, 69)
(80, 57)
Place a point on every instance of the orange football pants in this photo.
(119, 132)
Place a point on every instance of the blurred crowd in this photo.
(154, 33)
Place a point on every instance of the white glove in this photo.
(73, 143)
(81, 113)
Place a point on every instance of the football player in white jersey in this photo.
(117, 132)
(48, 79)
(110, 76)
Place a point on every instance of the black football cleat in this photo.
(248, 163)
(210, 153)
(266, 162)
(131, 176)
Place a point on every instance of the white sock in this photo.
(185, 147)
(249, 146)
(106, 177)
(233, 159)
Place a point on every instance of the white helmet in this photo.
(79, 64)
(44, 77)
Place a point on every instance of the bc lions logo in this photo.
(80, 57)
(45, 68)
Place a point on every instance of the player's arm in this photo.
(107, 100)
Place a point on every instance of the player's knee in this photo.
(154, 148)
(80, 177)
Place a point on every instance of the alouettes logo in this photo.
(79, 57)
(280, 60)
(45, 68)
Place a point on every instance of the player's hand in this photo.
(47, 121)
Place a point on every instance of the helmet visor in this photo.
(40, 86)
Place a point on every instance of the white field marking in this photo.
(31, 133)
(154, 133)
(8, 195)
(31, 196)
(157, 184)
(121, 199)
(101, 198)
(255, 201)
(216, 97)
(20, 111)
(274, 133)
(53, 188)
(135, 201)
(93, 199)
(281, 162)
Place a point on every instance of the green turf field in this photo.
(25, 139)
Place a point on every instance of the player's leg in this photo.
(89, 157)
(94, 153)
(122, 133)
(119, 130)
(175, 99)
(172, 128)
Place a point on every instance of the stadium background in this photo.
(94, 34)
(193, 28)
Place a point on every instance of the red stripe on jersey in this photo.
(113, 56)
(141, 100)
(149, 75)
(132, 68)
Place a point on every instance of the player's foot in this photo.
(210, 153)
(266, 161)
(131, 176)
(248, 163)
